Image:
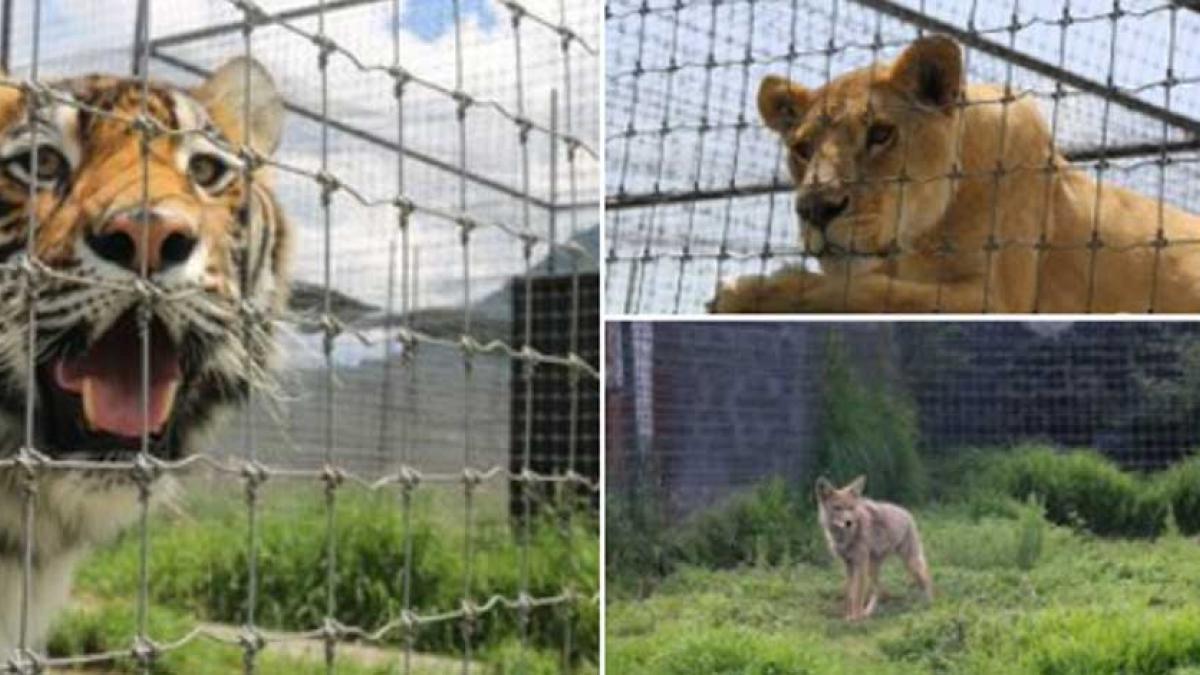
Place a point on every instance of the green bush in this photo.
(1079, 489)
(867, 428)
(202, 569)
(636, 537)
(1180, 488)
(769, 524)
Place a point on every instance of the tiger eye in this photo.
(206, 170)
(49, 164)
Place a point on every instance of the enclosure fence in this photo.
(393, 333)
(699, 411)
(698, 193)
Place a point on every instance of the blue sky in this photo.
(430, 20)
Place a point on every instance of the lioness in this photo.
(919, 194)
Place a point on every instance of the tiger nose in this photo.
(819, 210)
(159, 244)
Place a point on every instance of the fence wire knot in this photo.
(253, 13)
(471, 478)
(146, 126)
(145, 471)
(25, 662)
(409, 621)
(255, 474)
(329, 184)
(464, 101)
(144, 650)
(251, 640)
(333, 476)
(405, 205)
(402, 77)
(408, 477)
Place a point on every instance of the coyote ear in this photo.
(781, 103)
(857, 485)
(824, 488)
(930, 72)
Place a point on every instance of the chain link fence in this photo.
(438, 166)
(699, 192)
(702, 410)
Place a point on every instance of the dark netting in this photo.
(698, 194)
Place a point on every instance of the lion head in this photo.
(871, 152)
(155, 266)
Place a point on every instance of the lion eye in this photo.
(210, 172)
(51, 167)
(803, 148)
(880, 134)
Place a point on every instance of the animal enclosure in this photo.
(439, 166)
(698, 192)
(698, 411)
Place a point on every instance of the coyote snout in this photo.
(862, 533)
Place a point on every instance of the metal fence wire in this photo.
(699, 192)
(438, 165)
(698, 411)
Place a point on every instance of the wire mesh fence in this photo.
(699, 192)
(701, 410)
(437, 167)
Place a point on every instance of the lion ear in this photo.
(930, 72)
(781, 103)
(824, 488)
(857, 486)
(225, 95)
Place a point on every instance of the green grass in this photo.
(199, 573)
(1013, 596)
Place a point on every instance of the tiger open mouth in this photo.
(93, 401)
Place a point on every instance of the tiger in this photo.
(137, 225)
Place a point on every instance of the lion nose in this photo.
(819, 210)
(160, 244)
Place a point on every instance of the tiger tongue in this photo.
(108, 379)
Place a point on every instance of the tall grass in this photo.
(867, 428)
(201, 568)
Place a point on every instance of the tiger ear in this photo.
(781, 103)
(12, 104)
(224, 94)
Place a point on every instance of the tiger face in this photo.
(156, 266)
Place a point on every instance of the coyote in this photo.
(862, 533)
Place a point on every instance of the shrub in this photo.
(1180, 488)
(1080, 489)
(636, 532)
(769, 524)
(867, 428)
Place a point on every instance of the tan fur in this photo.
(920, 230)
(862, 533)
